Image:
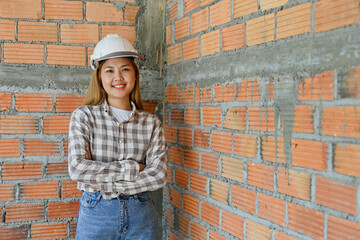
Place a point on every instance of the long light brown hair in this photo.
(96, 93)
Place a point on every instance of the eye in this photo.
(126, 69)
(109, 71)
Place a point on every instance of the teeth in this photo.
(119, 86)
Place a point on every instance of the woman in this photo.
(117, 152)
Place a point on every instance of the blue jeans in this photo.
(121, 218)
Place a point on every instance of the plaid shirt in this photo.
(116, 150)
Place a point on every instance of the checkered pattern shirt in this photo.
(116, 149)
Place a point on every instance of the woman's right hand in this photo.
(142, 167)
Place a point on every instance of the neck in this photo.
(120, 104)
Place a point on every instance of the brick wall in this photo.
(49, 42)
(262, 119)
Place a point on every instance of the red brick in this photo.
(191, 205)
(320, 87)
(190, 5)
(339, 228)
(34, 102)
(347, 159)
(200, 21)
(335, 194)
(341, 121)
(172, 94)
(220, 13)
(210, 43)
(210, 214)
(187, 95)
(9, 148)
(79, 33)
(23, 53)
(182, 178)
(175, 198)
(233, 37)
(260, 175)
(245, 145)
(13, 233)
(169, 218)
(183, 225)
(172, 236)
(191, 49)
(244, 7)
(103, 12)
(215, 236)
(306, 221)
(221, 141)
(49, 230)
(331, 14)
(72, 229)
(243, 199)
(39, 190)
(56, 124)
(197, 231)
(191, 159)
(351, 84)
(37, 31)
(248, 90)
(272, 209)
(268, 4)
(169, 175)
(294, 21)
(168, 34)
(57, 168)
(219, 190)
(127, 32)
(224, 93)
(7, 29)
(66, 55)
(170, 133)
(272, 149)
(232, 168)
(20, 9)
(185, 136)
(177, 116)
(18, 124)
(255, 231)
(61, 9)
(210, 163)
(182, 28)
(175, 155)
(304, 119)
(130, 14)
(68, 102)
(172, 12)
(206, 2)
(7, 192)
(5, 101)
(294, 183)
(198, 183)
(284, 236)
(174, 54)
(262, 119)
(260, 30)
(204, 95)
(24, 212)
(309, 154)
(22, 170)
(63, 209)
(201, 138)
(211, 116)
(192, 116)
(232, 224)
(69, 189)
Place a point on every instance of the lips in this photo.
(119, 86)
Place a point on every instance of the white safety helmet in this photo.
(112, 46)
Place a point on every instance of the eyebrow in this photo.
(110, 66)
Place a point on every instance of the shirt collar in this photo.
(107, 108)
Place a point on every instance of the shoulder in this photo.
(86, 111)
(148, 117)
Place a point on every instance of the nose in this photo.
(118, 75)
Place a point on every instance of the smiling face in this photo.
(118, 79)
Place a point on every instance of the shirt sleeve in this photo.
(91, 171)
(153, 176)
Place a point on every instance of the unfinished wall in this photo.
(45, 46)
(262, 118)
